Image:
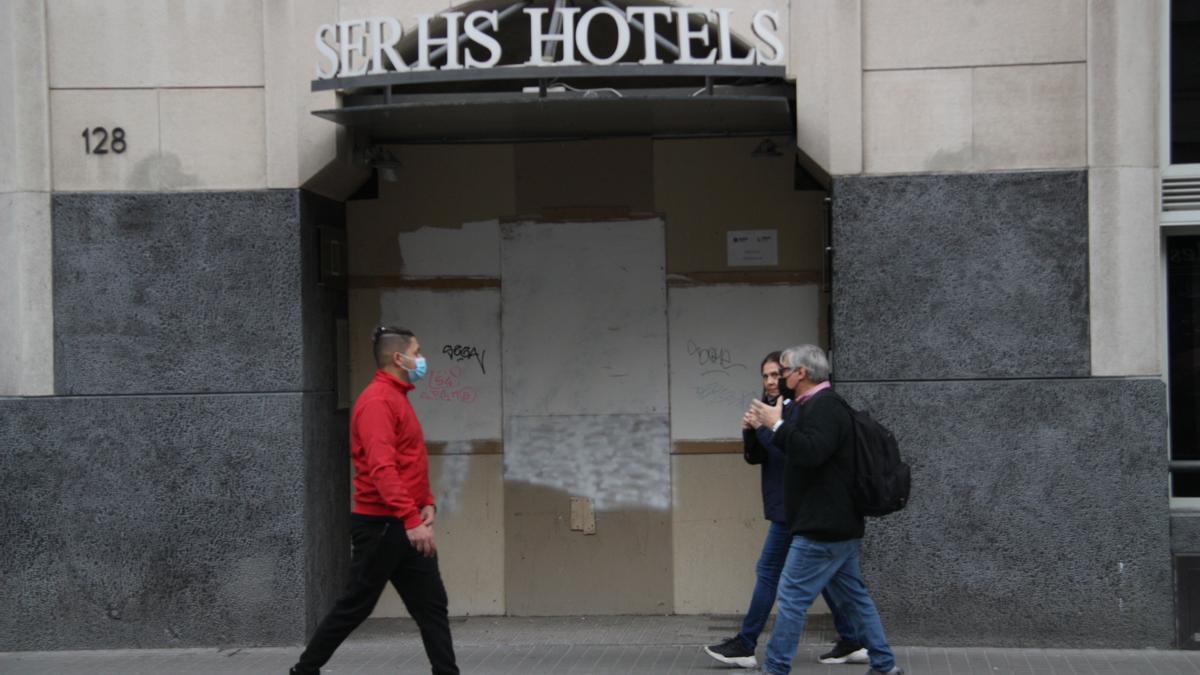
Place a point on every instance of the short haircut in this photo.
(388, 340)
(811, 358)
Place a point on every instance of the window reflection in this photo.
(1185, 82)
(1183, 309)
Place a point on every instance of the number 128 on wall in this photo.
(98, 141)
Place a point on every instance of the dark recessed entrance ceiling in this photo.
(528, 103)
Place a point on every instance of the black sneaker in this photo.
(733, 652)
(894, 671)
(844, 651)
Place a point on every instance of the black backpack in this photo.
(882, 481)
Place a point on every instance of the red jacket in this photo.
(391, 464)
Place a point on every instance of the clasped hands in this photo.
(762, 415)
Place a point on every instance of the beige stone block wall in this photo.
(1123, 113)
(27, 305)
(917, 120)
(216, 136)
(299, 145)
(155, 43)
(825, 58)
(975, 119)
(1030, 117)
(24, 133)
(182, 80)
(469, 534)
(175, 139)
(27, 359)
(908, 34)
(973, 86)
(406, 12)
(1123, 87)
(1124, 263)
(134, 111)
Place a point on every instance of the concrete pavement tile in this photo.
(588, 645)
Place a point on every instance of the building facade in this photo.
(982, 209)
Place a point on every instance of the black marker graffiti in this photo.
(720, 357)
(465, 352)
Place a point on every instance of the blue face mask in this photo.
(417, 373)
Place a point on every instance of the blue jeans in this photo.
(770, 566)
(810, 567)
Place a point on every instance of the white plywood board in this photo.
(585, 327)
(459, 332)
(472, 250)
(617, 461)
(719, 335)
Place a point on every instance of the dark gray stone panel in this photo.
(326, 504)
(322, 305)
(1039, 514)
(1185, 533)
(178, 292)
(961, 276)
(168, 521)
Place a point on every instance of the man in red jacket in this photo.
(392, 520)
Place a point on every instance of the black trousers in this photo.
(382, 553)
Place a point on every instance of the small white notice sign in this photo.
(750, 248)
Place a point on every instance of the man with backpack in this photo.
(822, 511)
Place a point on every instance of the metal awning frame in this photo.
(374, 100)
(535, 74)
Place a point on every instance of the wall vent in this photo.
(1181, 193)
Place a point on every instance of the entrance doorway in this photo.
(592, 340)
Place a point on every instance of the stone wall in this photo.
(1039, 513)
(187, 484)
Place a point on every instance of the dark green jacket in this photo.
(816, 478)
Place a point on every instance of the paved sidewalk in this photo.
(569, 645)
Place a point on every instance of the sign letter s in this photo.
(327, 51)
(765, 30)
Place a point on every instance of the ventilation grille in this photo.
(1181, 194)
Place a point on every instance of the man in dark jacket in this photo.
(826, 526)
(759, 450)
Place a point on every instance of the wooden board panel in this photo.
(719, 335)
(459, 332)
(584, 321)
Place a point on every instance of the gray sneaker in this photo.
(894, 671)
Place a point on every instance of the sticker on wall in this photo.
(752, 248)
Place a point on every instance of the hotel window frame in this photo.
(1172, 223)
(1169, 170)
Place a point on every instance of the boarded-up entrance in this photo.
(586, 417)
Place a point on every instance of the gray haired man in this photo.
(826, 526)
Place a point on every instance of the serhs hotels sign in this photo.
(369, 46)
